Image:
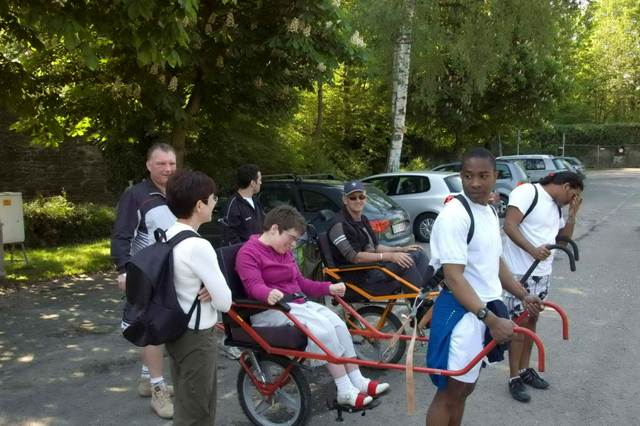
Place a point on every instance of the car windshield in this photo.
(454, 183)
(378, 202)
(560, 164)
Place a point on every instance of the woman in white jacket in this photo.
(191, 197)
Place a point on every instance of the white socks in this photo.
(156, 380)
(344, 385)
(358, 380)
(144, 372)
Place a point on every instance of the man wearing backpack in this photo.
(534, 220)
(475, 276)
(141, 210)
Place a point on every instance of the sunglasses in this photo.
(357, 197)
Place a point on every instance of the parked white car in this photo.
(538, 166)
(421, 193)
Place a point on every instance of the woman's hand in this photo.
(274, 296)
(203, 295)
(337, 289)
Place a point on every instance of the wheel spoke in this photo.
(262, 407)
(287, 400)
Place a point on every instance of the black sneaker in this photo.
(518, 391)
(531, 378)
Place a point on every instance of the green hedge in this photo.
(53, 221)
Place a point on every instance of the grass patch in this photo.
(50, 263)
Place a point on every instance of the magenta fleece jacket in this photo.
(262, 269)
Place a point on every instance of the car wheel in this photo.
(501, 206)
(423, 225)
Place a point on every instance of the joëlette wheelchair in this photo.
(377, 309)
(272, 387)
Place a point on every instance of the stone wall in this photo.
(78, 169)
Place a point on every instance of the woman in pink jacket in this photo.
(268, 271)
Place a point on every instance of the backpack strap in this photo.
(467, 207)
(533, 203)
(173, 241)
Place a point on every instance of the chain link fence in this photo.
(603, 156)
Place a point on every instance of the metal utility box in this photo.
(12, 217)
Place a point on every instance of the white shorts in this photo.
(538, 286)
(322, 322)
(467, 340)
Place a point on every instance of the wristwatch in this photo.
(482, 313)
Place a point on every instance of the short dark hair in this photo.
(247, 173)
(162, 146)
(573, 179)
(479, 152)
(185, 188)
(286, 217)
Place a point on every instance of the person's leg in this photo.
(447, 407)
(152, 357)
(195, 356)
(527, 344)
(515, 384)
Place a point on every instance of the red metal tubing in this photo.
(559, 310)
(333, 359)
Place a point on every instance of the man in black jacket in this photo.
(141, 210)
(243, 214)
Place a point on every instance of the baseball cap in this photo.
(353, 186)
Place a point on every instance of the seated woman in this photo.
(353, 241)
(268, 271)
(191, 197)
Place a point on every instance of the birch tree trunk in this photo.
(401, 67)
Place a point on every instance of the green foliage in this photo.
(122, 70)
(50, 263)
(606, 135)
(55, 220)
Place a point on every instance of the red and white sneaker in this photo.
(375, 388)
(355, 399)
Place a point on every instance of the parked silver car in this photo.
(577, 164)
(538, 166)
(510, 175)
(421, 193)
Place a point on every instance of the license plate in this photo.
(399, 227)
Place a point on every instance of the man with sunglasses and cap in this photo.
(354, 241)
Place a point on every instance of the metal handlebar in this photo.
(574, 246)
(534, 265)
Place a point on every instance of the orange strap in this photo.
(409, 371)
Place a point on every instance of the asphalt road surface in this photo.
(63, 361)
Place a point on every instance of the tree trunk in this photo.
(401, 67)
(317, 131)
(179, 132)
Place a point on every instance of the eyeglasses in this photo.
(357, 197)
(292, 237)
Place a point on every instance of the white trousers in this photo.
(322, 322)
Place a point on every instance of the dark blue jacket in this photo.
(141, 210)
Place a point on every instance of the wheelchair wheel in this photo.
(374, 349)
(289, 405)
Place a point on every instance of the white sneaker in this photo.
(355, 399)
(230, 352)
(161, 401)
(144, 388)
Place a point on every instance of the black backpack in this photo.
(151, 293)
